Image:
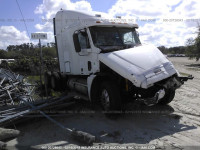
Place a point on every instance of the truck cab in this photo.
(104, 61)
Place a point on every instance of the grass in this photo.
(33, 79)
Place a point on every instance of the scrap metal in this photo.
(12, 86)
(15, 92)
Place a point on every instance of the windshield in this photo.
(114, 38)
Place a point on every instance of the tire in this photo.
(169, 96)
(63, 81)
(110, 96)
(47, 79)
(55, 81)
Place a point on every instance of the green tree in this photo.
(163, 49)
(3, 54)
(193, 46)
(27, 57)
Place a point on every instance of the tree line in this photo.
(28, 50)
(191, 49)
(27, 58)
(173, 50)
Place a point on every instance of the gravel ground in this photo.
(175, 126)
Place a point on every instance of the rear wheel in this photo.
(169, 96)
(110, 96)
(55, 81)
(63, 81)
(47, 79)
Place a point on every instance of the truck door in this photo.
(82, 46)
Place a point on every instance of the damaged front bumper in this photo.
(172, 83)
(176, 82)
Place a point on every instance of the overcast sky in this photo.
(171, 22)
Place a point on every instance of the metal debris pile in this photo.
(10, 115)
(16, 103)
(13, 88)
(16, 95)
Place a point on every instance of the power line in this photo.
(23, 19)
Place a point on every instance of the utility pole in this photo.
(41, 62)
(40, 36)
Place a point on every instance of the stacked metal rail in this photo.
(12, 114)
(12, 87)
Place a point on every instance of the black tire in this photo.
(169, 96)
(55, 81)
(47, 79)
(63, 81)
(113, 96)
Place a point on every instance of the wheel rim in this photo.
(105, 99)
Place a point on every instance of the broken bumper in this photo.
(171, 84)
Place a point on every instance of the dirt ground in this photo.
(175, 126)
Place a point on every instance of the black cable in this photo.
(23, 18)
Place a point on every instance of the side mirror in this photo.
(137, 33)
(76, 42)
(83, 32)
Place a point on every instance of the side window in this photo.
(83, 40)
(128, 38)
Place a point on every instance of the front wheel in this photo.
(169, 96)
(110, 96)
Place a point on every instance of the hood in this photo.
(138, 64)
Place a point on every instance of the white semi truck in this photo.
(103, 60)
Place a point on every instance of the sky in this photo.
(161, 22)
